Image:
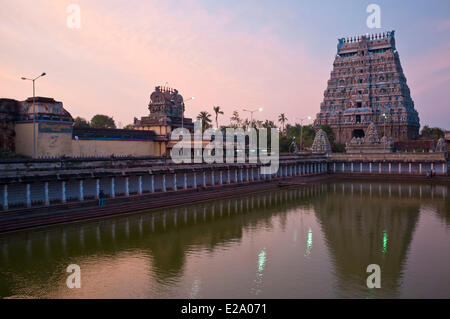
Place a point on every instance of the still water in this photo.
(311, 242)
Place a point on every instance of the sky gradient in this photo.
(238, 54)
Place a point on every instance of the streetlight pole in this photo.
(34, 111)
(251, 113)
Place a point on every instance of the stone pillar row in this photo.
(216, 177)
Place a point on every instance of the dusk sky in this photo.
(238, 54)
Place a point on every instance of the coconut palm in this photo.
(218, 111)
(282, 119)
(205, 117)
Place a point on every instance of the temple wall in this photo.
(105, 148)
(36, 183)
(52, 140)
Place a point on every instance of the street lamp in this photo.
(251, 113)
(34, 112)
(301, 129)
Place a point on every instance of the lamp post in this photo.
(251, 113)
(34, 111)
(301, 130)
(385, 139)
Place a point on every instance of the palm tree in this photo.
(235, 120)
(282, 119)
(218, 111)
(205, 117)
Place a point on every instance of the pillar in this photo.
(46, 201)
(127, 186)
(81, 190)
(370, 167)
(247, 175)
(409, 168)
(28, 187)
(360, 167)
(290, 170)
(228, 177)
(140, 185)
(379, 167)
(444, 168)
(432, 166)
(97, 188)
(399, 167)
(175, 181)
(185, 186)
(213, 182)
(195, 180)
(220, 177)
(334, 167)
(5, 197)
(420, 168)
(113, 188)
(343, 166)
(204, 179)
(241, 177)
(63, 191)
(235, 175)
(390, 165)
(152, 186)
(253, 174)
(258, 173)
(164, 189)
(352, 167)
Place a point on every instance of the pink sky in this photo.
(113, 62)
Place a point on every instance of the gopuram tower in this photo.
(367, 85)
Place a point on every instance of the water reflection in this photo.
(338, 228)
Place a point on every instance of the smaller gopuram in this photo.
(370, 143)
(166, 114)
(321, 143)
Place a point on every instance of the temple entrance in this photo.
(358, 133)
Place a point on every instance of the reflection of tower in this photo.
(367, 230)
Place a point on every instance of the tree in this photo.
(235, 120)
(102, 121)
(268, 124)
(282, 119)
(434, 133)
(218, 111)
(80, 122)
(129, 127)
(205, 118)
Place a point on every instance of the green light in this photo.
(385, 241)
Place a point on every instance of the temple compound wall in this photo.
(367, 85)
(40, 183)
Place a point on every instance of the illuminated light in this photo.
(261, 260)
(309, 242)
(385, 241)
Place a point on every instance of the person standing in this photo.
(101, 196)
